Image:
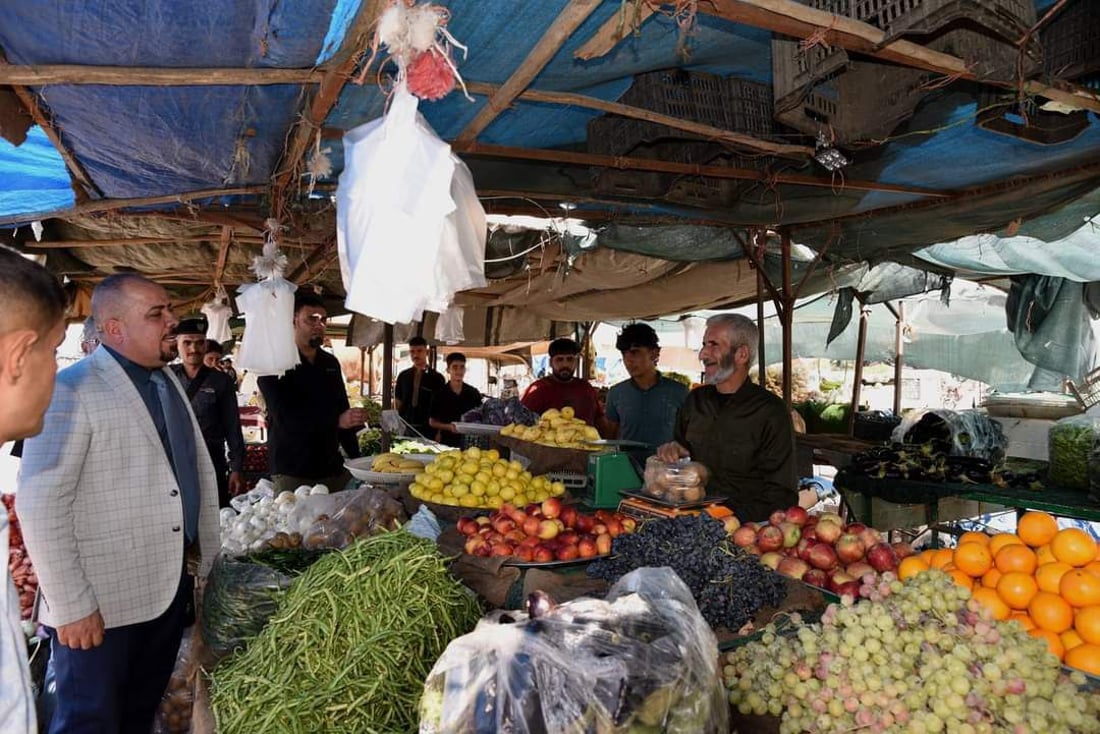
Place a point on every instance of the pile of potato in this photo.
(559, 428)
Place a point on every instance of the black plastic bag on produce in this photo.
(239, 598)
(336, 520)
(1070, 444)
(643, 659)
(956, 433)
(176, 705)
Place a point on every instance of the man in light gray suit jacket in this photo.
(113, 496)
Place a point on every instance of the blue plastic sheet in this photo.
(34, 176)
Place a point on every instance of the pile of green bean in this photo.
(350, 646)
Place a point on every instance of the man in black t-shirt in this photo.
(412, 394)
(452, 400)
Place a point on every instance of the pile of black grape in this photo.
(728, 584)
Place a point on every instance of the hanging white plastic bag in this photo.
(268, 346)
(391, 204)
(461, 263)
(218, 313)
(448, 327)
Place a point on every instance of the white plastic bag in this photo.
(218, 313)
(448, 327)
(268, 347)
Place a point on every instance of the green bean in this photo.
(350, 644)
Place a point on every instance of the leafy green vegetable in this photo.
(1069, 442)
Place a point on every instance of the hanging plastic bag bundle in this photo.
(268, 346)
(218, 313)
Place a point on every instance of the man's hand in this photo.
(236, 483)
(671, 452)
(83, 634)
(353, 418)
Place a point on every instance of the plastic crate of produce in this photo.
(1071, 42)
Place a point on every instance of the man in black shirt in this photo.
(308, 414)
(412, 394)
(741, 432)
(452, 400)
(213, 397)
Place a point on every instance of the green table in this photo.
(1055, 500)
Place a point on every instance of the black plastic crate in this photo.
(1002, 113)
(1008, 19)
(1071, 42)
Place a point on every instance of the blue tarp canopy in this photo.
(151, 141)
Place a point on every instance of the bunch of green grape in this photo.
(925, 659)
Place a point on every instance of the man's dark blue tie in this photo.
(181, 438)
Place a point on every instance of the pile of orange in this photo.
(1045, 578)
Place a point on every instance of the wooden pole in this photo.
(787, 317)
(387, 378)
(861, 348)
(370, 371)
(761, 359)
(899, 351)
(363, 394)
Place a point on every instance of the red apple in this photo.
(823, 556)
(584, 523)
(603, 544)
(629, 524)
(599, 528)
(525, 553)
(543, 554)
(902, 549)
(467, 526)
(777, 517)
(848, 588)
(816, 576)
(793, 567)
(859, 569)
(530, 541)
(836, 579)
(882, 558)
(568, 553)
(614, 528)
(771, 560)
(569, 516)
(855, 528)
(744, 536)
(809, 532)
(769, 538)
(802, 550)
(828, 531)
(503, 549)
(731, 524)
(586, 547)
(849, 548)
(568, 537)
(473, 543)
(548, 529)
(533, 509)
(482, 521)
(791, 533)
(504, 525)
(551, 507)
(531, 525)
(831, 517)
(870, 537)
(797, 515)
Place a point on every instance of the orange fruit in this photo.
(1017, 589)
(1073, 546)
(1016, 558)
(941, 557)
(961, 578)
(989, 599)
(1045, 554)
(1054, 642)
(1048, 575)
(1080, 588)
(1070, 639)
(911, 566)
(991, 577)
(1036, 528)
(1000, 540)
(1084, 657)
(1087, 624)
(1023, 618)
(1050, 612)
(974, 536)
(1093, 566)
(973, 559)
(927, 556)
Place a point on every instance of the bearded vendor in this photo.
(741, 432)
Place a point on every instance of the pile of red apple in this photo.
(542, 533)
(821, 549)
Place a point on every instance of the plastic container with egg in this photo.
(678, 482)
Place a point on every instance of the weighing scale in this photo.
(609, 471)
(643, 508)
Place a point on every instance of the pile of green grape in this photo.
(924, 659)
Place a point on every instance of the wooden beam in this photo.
(709, 132)
(145, 241)
(629, 19)
(106, 205)
(320, 255)
(223, 253)
(83, 188)
(128, 76)
(570, 18)
(792, 18)
(647, 164)
(328, 94)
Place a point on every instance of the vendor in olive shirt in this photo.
(308, 414)
(452, 400)
(741, 432)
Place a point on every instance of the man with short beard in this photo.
(741, 432)
(562, 389)
(309, 417)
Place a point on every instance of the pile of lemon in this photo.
(477, 478)
(559, 428)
